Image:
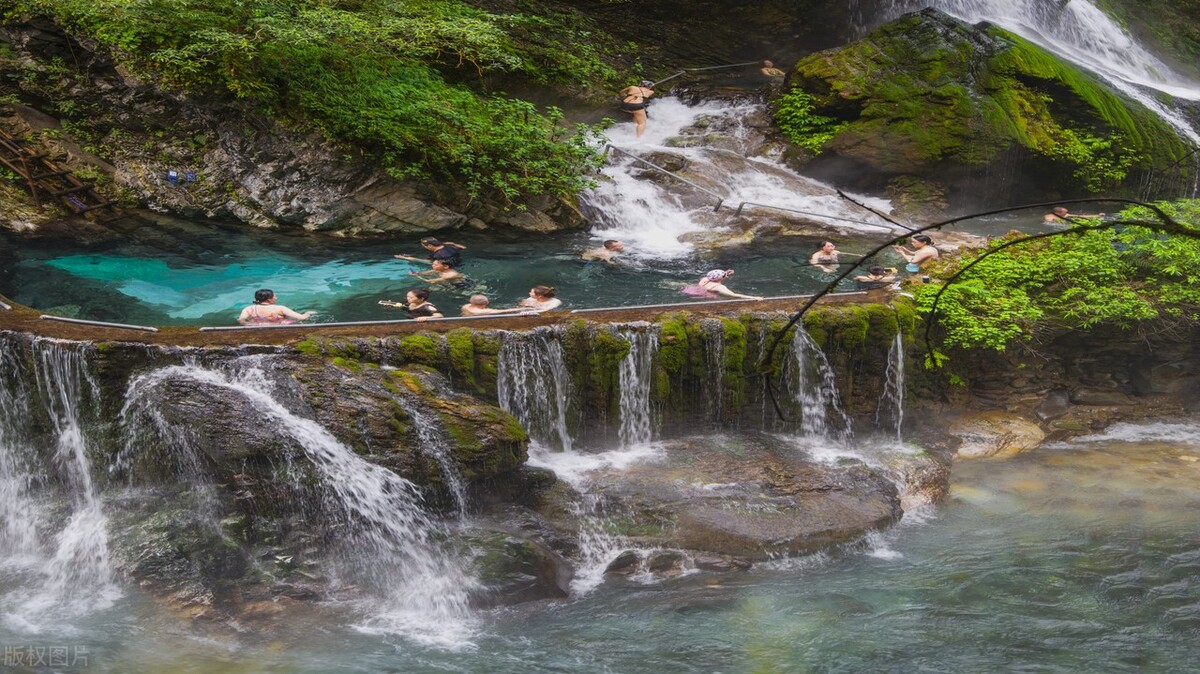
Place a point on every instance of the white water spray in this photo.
(814, 386)
(654, 214)
(533, 386)
(76, 578)
(391, 545)
(890, 412)
(636, 377)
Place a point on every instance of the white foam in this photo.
(574, 467)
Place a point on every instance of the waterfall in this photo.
(814, 387)
(653, 214)
(434, 445)
(636, 378)
(533, 386)
(390, 544)
(18, 511)
(890, 412)
(76, 575)
(1077, 30)
(714, 363)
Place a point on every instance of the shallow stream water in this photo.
(1080, 557)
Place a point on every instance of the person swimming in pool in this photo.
(541, 298)
(607, 253)
(265, 311)
(442, 273)
(478, 306)
(826, 258)
(923, 251)
(712, 285)
(416, 305)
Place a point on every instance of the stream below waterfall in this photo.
(1076, 557)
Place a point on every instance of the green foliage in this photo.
(382, 76)
(794, 113)
(1107, 277)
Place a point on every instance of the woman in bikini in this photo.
(416, 305)
(712, 285)
(634, 100)
(264, 311)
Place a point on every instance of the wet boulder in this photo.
(750, 498)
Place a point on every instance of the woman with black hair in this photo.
(923, 251)
(264, 311)
(416, 305)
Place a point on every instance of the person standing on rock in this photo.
(264, 311)
(448, 252)
(634, 100)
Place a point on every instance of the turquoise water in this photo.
(1075, 558)
(180, 273)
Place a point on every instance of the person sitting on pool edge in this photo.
(923, 252)
(416, 305)
(606, 253)
(713, 284)
(448, 252)
(478, 306)
(541, 298)
(264, 311)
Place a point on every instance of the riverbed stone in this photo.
(994, 433)
(750, 497)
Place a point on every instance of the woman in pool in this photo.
(541, 298)
(264, 311)
(416, 305)
(923, 251)
(712, 285)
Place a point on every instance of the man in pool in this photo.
(1061, 214)
(448, 252)
(478, 306)
(607, 253)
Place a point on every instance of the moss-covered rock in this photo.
(945, 103)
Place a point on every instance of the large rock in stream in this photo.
(752, 497)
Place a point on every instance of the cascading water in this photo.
(1078, 30)
(636, 376)
(390, 544)
(18, 511)
(434, 445)
(533, 386)
(76, 577)
(890, 412)
(655, 216)
(813, 385)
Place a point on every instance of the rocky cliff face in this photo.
(941, 112)
(213, 158)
